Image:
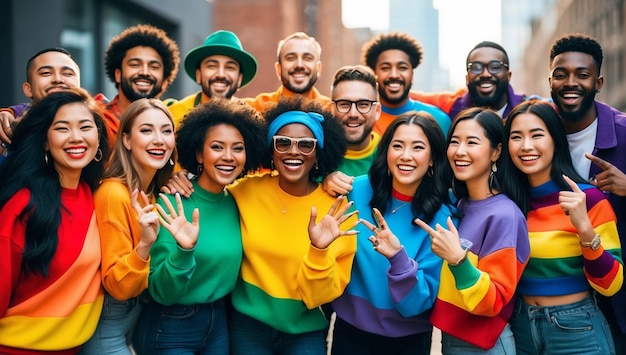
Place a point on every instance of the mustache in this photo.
(220, 80)
(391, 81)
(144, 77)
(299, 70)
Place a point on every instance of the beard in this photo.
(394, 100)
(130, 93)
(575, 115)
(232, 89)
(491, 101)
(302, 89)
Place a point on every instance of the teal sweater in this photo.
(207, 272)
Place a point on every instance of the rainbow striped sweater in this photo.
(475, 298)
(558, 265)
(59, 312)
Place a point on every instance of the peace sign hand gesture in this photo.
(185, 233)
(383, 240)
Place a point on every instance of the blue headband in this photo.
(312, 120)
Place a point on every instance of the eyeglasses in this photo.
(363, 106)
(493, 67)
(305, 146)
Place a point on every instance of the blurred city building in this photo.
(605, 20)
(421, 20)
(85, 27)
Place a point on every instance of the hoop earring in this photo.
(199, 169)
(430, 172)
(98, 156)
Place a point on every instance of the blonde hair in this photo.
(121, 166)
(299, 35)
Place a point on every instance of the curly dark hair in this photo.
(191, 135)
(395, 40)
(578, 42)
(27, 167)
(143, 35)
(433, 190)
(330, 157)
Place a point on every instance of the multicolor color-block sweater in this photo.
(475, 299)
(58, 312)
(391, 297)
(283, 278)
(558, 265)
(358, 162)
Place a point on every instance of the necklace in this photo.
(284, 208)
(393, 211)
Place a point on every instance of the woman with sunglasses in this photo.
(288, 269)
(574, 244)
(393, 285)
(50, 285)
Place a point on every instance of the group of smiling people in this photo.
(488, 234)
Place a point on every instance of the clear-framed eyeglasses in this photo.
(494, 67)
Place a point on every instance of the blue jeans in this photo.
(250, 336)
(575, 328)
(348, 339)
(114, 328)
(178, 329)
(505, 345)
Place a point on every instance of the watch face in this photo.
(595, 242)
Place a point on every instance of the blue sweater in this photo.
(391, 297)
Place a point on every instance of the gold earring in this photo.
(98, 156)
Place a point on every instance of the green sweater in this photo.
(207, 272)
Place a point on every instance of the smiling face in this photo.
(141, 74)
(72, 142)
(223, 157)
(488, 89)
(395, 77)
(357, 126)
(408, 158)
(470, 155)
(219, 75)
(574, 81)
(293, 166)
(150, 141)
(531, 147)
(298, 65)
(50, 72)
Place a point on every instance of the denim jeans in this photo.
(348, 339)
(505, 345)
(250, 336)
(114, 328)
(575, 328)
(178, 329)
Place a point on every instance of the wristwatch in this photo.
(594, 244)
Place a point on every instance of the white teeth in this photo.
(76, 150)
(353, 125)
(486, 85)
(293, 161)
(406, 167)
(156, 152)
(462, 163)
(529, 157)
(571, 96)
(226, 168)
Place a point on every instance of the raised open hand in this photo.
(185, 233)
(328, 229)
